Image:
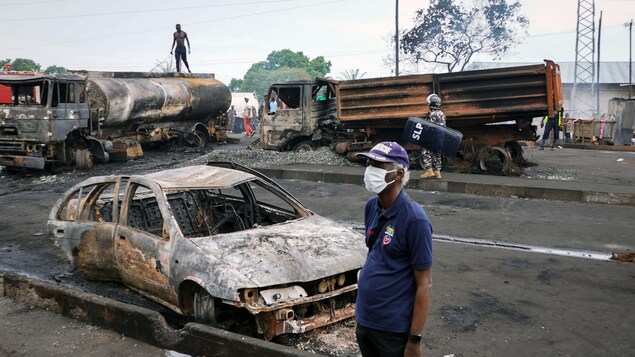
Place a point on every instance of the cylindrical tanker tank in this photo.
(123, 101)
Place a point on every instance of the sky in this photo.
(228, 36)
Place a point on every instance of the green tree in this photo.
(259, 81)
(24, 64)
(450, 33)
(349, 74)
(317, 67)
(235, 85)
(55, 69)
(280, 66)
(3, 62)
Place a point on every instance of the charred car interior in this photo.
(219, 243)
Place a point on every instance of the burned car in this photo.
(213, 242)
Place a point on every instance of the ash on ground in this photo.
(266, 158)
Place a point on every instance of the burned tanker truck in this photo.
(493, 109)
(82, 116)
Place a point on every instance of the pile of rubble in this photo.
(267, 158)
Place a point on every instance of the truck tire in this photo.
(495, 160)
(304, 146)
(83, 159)
(203, 138)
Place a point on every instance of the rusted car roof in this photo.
(201, 176)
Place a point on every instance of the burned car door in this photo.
(143, 243)
(83, 224)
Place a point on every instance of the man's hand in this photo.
(170, 52)
(542, 124)
(413, 349)
(189, 51)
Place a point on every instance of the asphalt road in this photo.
(486, 300)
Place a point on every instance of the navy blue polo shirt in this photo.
(387, 287)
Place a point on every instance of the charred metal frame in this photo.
(158, 259)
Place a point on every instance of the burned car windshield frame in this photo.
(203, 212)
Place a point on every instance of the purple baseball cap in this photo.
(388, 151)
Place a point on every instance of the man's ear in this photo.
(401, 173)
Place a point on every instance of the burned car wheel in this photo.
(204, 309)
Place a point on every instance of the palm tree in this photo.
(352, 74)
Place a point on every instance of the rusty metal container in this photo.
(133, 98)
(468, 98)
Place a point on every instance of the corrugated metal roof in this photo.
(610, 72)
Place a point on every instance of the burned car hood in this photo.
(296, 251)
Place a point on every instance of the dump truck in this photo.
(493, 109)
(80, 117)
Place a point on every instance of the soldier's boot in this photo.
(437, 174)
(428, 174)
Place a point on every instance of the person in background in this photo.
(231, 118)
(568, 126)
(433, 162)
(179, 39)
(273, 103)
(262, 107)
(247, 113)
(393, 295)
(553, 124)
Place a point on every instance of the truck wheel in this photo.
(203, 138)
(495, 161)
(204, 310)
(303, 146)
(83, 159)
(516, 152)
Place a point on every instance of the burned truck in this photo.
(493, 109)
(83, 116)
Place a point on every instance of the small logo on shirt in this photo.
(388, 234)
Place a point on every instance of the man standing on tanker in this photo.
(393, 295)
(433, 161)
(179, 39)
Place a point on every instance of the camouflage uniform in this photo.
(431, 159)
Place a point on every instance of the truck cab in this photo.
(37, 113)
(306, 115)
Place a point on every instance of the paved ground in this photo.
(54, 335)
(587, 176)
(560, 170)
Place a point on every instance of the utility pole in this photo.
(597, 94)
(584, 74)
(630, 60)
(396, 37)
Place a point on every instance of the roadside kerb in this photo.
(136, 322)
(466, 184)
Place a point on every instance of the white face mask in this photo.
(375, 179)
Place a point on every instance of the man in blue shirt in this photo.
(394, 283)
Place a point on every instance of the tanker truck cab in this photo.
(39, 115)
(305, 110)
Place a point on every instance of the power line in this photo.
(186, 24)
(145, 11)
(32, 2)
(573, 31)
